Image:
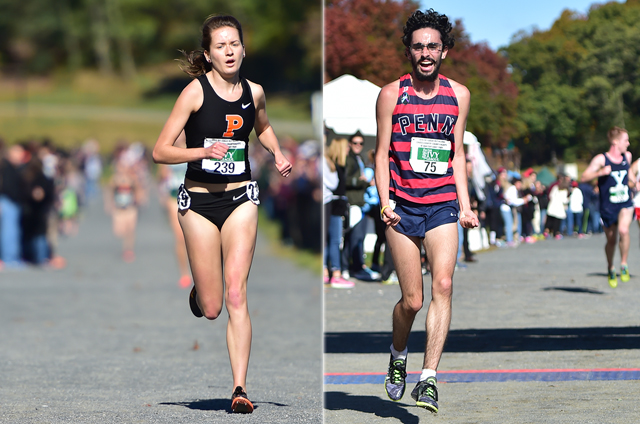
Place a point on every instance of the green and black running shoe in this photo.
(426, 394)
(394, 382)
(613, 278)
(624, 274)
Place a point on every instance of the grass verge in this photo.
(303, 258)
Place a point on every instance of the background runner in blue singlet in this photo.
(615, 180)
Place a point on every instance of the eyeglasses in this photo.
(358, 143)
(432, 47)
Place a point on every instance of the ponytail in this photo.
(194, 63)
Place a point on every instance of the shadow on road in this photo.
(204, 404)
(495, 340)
(338, 401)
(575, 290)
(215, 404)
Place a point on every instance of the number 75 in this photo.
(430, 167)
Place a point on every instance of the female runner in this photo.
(218, 201)
(122, 199)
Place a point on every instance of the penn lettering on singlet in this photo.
(218, 120)
(422, 145)
(614, 188)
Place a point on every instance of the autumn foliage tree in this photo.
(363, 38)
(494, 94)
(578, 79)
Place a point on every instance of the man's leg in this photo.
(624, 222)
(441, 245)
(611, 234)
(405, 251)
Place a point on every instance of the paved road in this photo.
(543, 309)
(104, 341)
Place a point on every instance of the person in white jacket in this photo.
(557, 208)
(576, 209)
(513, 201)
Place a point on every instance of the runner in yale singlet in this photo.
(616, 179)
(615, 193)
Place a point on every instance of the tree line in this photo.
(118, 37)
(550, 93)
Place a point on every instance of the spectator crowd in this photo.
(513, 208)
(44, 190)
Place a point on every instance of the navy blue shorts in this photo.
(416, 220)
(610, 217)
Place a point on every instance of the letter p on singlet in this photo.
(234, 122)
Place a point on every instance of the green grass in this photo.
(303, 258)
(69, 109)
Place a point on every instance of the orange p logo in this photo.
(234, 122)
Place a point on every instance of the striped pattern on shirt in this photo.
(434, 118)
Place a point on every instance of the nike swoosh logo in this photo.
(237, 197)
(246, 106)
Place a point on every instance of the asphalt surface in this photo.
(103, 341)
(534, 327)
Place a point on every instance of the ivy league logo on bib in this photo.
(429, 155)
(233, 163)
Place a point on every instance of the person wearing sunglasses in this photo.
(353, 265)
(422, 183)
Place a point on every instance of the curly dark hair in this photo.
(429, 19)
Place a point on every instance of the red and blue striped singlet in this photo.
(422, 145)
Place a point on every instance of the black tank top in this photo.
(220, 120)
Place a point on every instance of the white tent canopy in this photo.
(480, 166)
(349, 105)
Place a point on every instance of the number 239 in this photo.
(224, 167)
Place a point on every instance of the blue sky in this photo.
(496, 21)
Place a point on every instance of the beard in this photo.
(421, 76)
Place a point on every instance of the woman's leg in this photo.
(202, 239)
(507, 218)
(124, 225)
(335, 234)
(238, 237)
(130, 232)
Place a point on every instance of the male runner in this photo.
(422, 182)
(615, 176)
